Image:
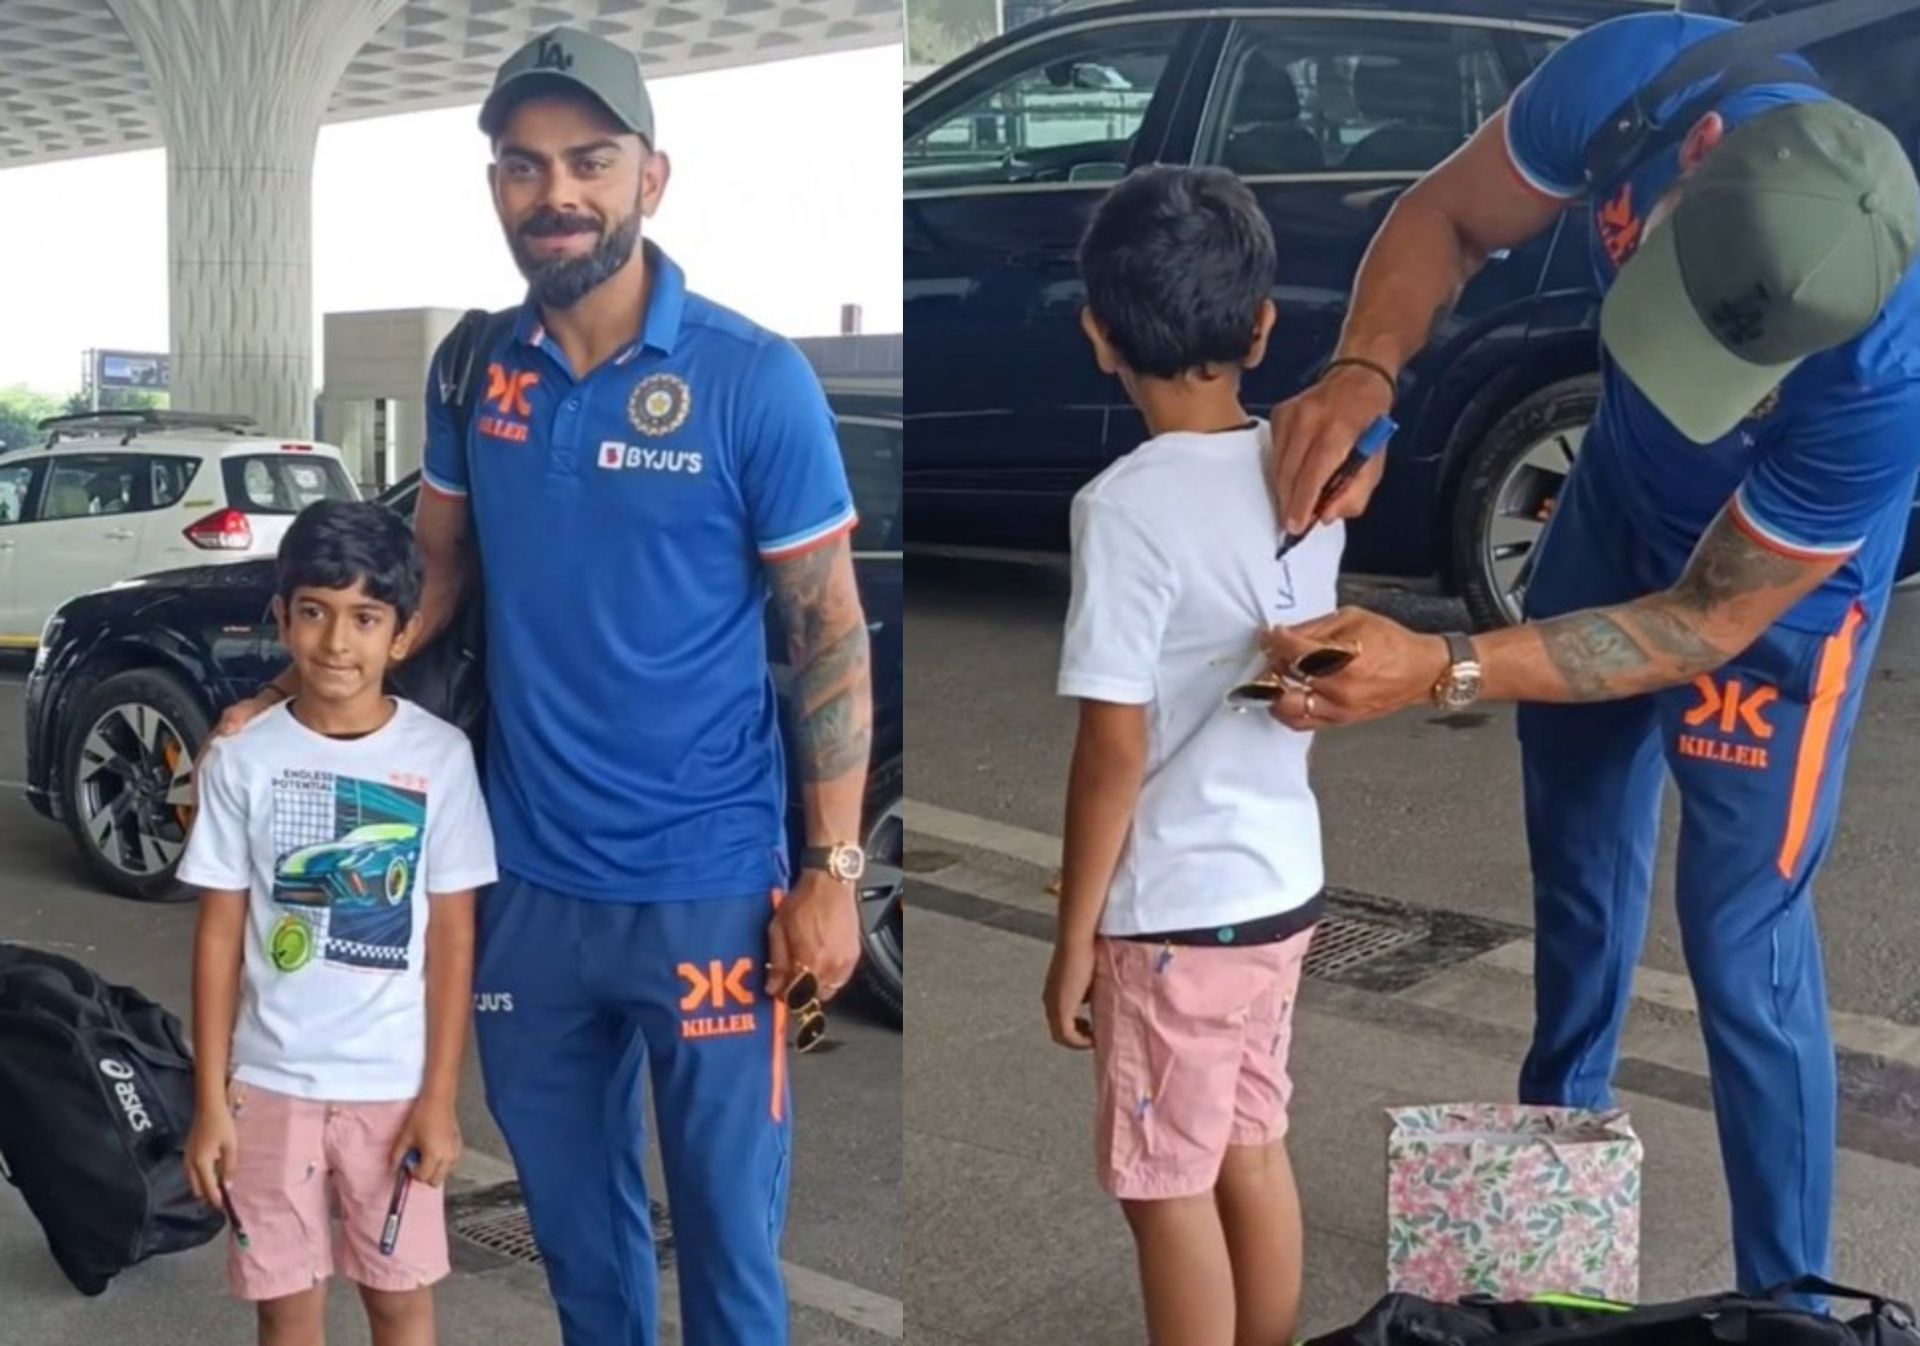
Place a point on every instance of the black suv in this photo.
(129, 679)
(1328, 113)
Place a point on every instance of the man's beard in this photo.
(562, 282)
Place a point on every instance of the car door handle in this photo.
(120, 534)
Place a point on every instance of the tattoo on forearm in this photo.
(1666, 638)
(827, 641)
(1729, 565)
(1591, 650)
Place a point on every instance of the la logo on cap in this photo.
(552, 56)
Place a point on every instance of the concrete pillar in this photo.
(241, 87)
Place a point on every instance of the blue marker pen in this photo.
(1371, 442)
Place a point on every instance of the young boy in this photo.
(1192, 867)
(340, 838)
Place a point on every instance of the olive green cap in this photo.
(567, 57)
(1786, 241)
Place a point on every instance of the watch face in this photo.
(847, 863)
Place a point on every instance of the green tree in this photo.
(21, 409)
(118, 399)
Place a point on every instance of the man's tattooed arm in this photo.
(833, 684)
(1733, 589)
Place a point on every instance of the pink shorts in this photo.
(1190, 1044)
(302, 1164)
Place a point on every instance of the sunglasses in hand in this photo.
(803, 1002)
(1263, 691)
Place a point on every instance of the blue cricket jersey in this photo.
(1829, 470)
(624, 524)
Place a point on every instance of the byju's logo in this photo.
(127, 1095)
(615, 456)
(493, 1002)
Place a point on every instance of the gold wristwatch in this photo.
(1459, 686)
(842, 860)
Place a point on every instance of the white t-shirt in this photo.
(336, 841)
(1174, 577)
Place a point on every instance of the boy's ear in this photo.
(1262, 331)
(404, 638)
(1103, 352)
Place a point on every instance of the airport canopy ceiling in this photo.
(72, 83)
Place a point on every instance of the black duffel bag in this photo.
(1716, 1320)
(96, 1098)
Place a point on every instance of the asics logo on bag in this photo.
(126, 1094)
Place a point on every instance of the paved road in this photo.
(845, 1221)
(1422, 809)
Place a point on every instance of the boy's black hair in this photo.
(335, 544)
(1177, 262)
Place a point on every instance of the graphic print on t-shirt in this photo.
(346, 855)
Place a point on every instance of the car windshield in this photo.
(283, 483)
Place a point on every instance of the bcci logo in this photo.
(660, 404)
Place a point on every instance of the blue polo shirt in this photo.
(1830, 469)
(625, 521)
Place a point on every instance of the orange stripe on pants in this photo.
(1829, 686)
(778, 1107)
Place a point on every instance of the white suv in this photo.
(111, 495)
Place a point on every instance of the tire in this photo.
(396, 877)
(127, 759)
(883, 964)
(1513, 472)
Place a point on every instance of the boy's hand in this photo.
(211, 1149)
(1069, 987)
(433, 1130)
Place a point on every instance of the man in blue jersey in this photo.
(643, 469)
(1715, 576)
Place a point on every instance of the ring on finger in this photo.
(1307, 705)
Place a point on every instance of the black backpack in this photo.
(96, 1098)
(1715, 1320)
(448, 677)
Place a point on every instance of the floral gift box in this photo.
(1510, 1201)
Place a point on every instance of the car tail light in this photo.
(226, 531)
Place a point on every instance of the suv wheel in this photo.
(883, 969)
(127, 780)
(1508, 493)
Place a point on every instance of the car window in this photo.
(80, 488)
(16, 482)
(170, 478)
(1352, 95)
(283, 483)
(1062, 111)
(871, 449)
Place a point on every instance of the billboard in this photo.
(132, 369)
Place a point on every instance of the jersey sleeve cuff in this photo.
(1099, 687)
(1779, 541)
(444, 487)
(799, 544)
(1537, 183)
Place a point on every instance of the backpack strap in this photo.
(461, 362)
(1752, 53)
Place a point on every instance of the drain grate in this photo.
(1344, 942)
(496, 1219)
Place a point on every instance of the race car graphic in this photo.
(370, 866)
